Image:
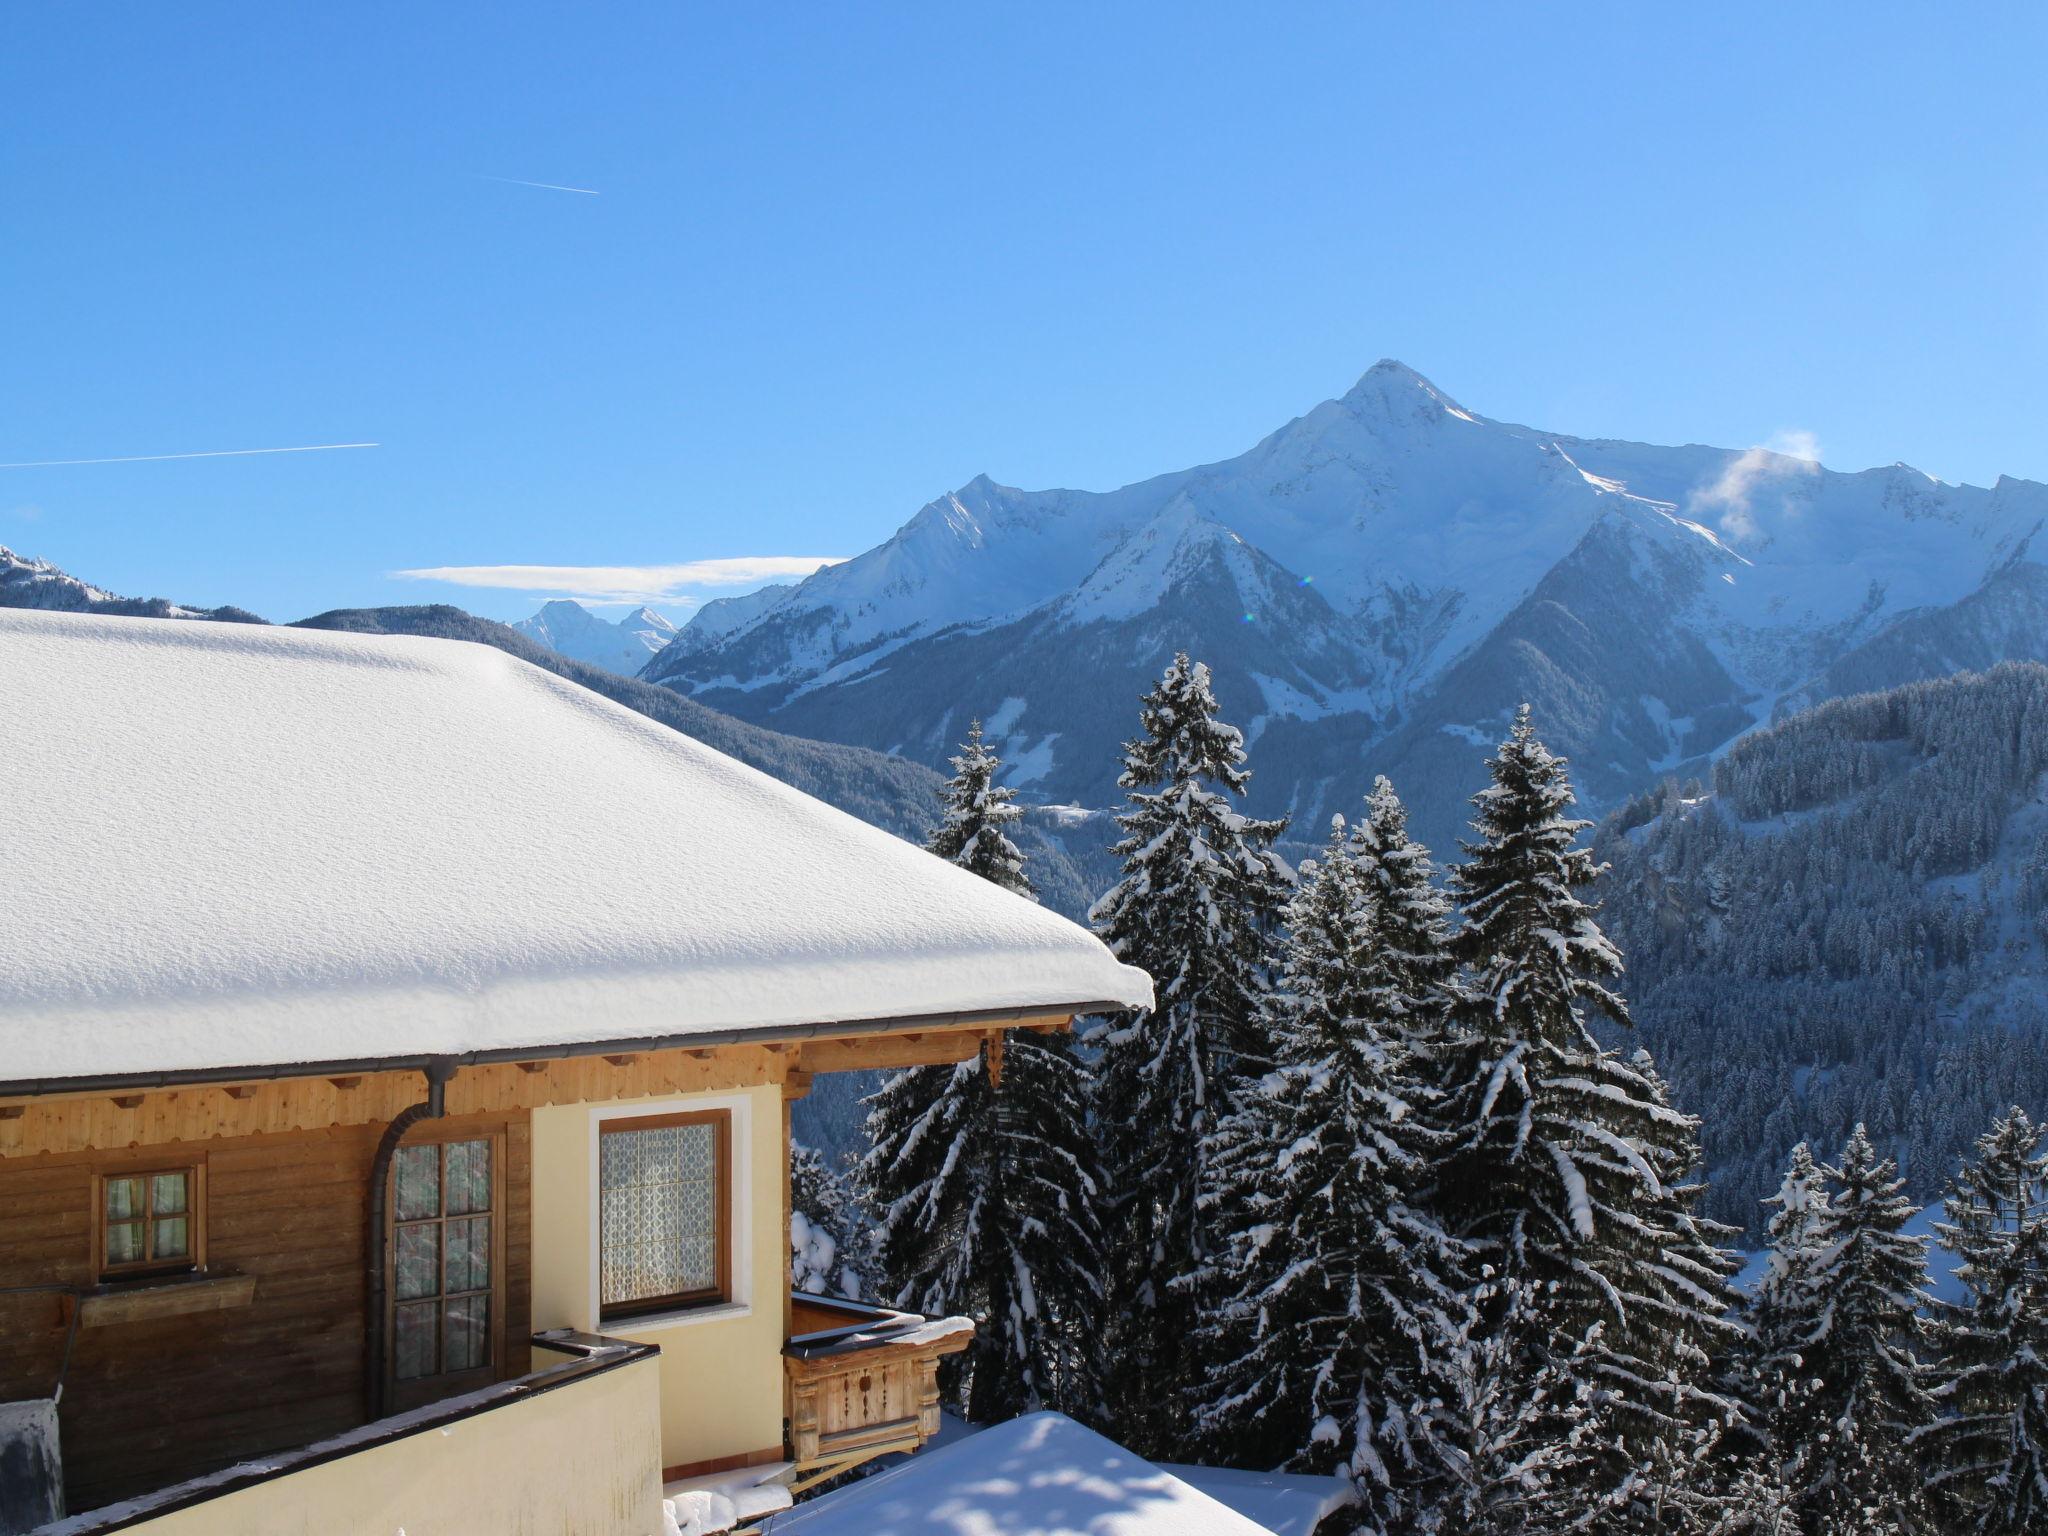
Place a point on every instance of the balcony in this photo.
(489, 1460)
(863, 1381)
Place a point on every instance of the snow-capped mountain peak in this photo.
(625, 646)
(1385, 570)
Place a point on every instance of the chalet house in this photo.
(397, 1046)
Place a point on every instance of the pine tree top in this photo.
(973, 813)
(1183, 738)
(1532, 941)
(1867, 1245)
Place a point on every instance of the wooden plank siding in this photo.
(151, 1402)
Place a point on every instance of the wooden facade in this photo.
(158, 1392)
(264, 1349)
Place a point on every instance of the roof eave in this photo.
(767, 1034)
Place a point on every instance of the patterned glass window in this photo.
(442, 1280)
(149, 1221)
(664, 1192)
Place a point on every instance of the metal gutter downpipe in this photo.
(438, 1072)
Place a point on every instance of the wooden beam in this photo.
(345, 1083)
(866, 1051)
(992, 1057)
(533, 1066)
(240, 1090)
(622, 1061)
(796, 1085)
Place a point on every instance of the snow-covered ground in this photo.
(1045, 1475)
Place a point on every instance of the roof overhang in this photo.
(781, 1034)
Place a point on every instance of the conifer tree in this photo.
(828, 1232)
(1564, 1165)
(1789, 1314)
(975, 812)
(1869, 1398)
(983, 1177)
(1199, 893)
(1336, 1300)
(986, 1197)
(1412, 916)
(1988, 1454)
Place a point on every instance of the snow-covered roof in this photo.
(232, 846)
(1041, 1475)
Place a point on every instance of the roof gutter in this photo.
(768, 1034)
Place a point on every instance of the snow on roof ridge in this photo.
(233, 846)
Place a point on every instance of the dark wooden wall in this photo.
(148, 1403)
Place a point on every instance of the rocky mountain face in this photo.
(623, 646)
(1376, 586)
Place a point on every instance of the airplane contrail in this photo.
(545, 186)
(215, 453)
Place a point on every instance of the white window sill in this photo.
(682, 1317)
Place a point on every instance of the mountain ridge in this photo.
(1387, 567)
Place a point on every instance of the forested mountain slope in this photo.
(1849, 927)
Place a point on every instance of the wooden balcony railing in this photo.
(863, 1381)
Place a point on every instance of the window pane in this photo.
(124, 1198)
(167, 1193)
(466, 1339)
(419, 1182)
(469, 1177)
(171, 1239)
(658, 1222)
(413, 1341)
(469, 1254)
(419, 1260)
(124, 1242)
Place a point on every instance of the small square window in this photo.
(150, 1221)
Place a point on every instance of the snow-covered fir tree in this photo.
(1789, 1313)
(983, 1177)
(1200, 890)
(1412, 916)
(1564, 1164)
(975, 812)
(1988, 1453)
(1869, 1398)
(1337, 1304)
(987, 1198)
(828, 1231)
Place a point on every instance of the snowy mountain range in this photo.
(26, 582)
(1377, 585)
(572, 630)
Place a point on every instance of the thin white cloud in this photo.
(625, 583)
(546, 186)
(212, 453)
(1731, 495)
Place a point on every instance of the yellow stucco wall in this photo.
(721, 1369)
(577, 1461)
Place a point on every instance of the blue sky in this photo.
(842, 258)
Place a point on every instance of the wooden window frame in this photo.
(720, 1293)
(418, 1390)
(149, 1267)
